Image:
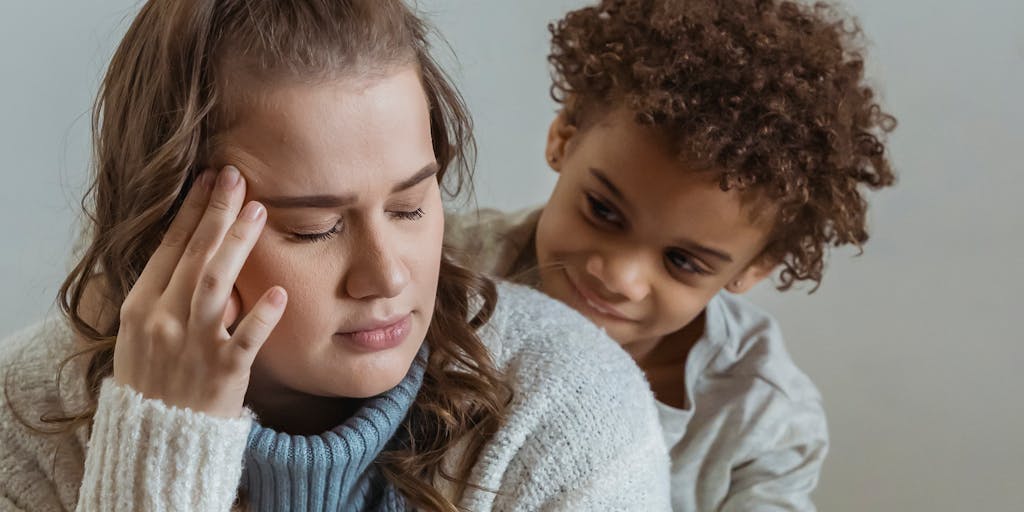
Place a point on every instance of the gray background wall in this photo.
(912, 344)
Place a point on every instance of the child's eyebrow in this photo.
(600, 175)
(707, 251)
(336, 201)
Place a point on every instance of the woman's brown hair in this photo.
(163, 98)
(770, 93)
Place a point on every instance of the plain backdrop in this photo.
(914, 345)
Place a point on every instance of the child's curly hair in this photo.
(770, 93)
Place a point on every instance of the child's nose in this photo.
(621, 274)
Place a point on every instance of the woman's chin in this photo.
(377, 386)
(369, 375)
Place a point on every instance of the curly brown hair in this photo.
(771, 94)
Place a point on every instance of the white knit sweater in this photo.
(582, 432)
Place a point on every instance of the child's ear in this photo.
(559, 135)
(750, 276)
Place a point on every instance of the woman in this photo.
(290, 319)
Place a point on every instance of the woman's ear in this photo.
(559, 135)
(750, 276)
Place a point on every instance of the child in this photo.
(361, 369)
(702, 145)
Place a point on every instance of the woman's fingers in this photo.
(173, 343)
(233, 310)
(213, 291)
(161, 264)
(221, 212)
(256, 327)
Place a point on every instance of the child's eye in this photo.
(603, 211)
(410, 215)
(679, 260)
(319, 237)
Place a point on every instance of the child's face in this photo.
(635, 240)
(354, 228)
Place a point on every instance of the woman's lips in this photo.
(379, 335)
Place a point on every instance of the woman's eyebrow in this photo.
(314, 201)
(428, 171)
(338, 201)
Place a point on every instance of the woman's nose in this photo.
(376, 269)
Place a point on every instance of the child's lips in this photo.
(594, 303)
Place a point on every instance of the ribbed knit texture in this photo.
(146, 444)
(332, 471)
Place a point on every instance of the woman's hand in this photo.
(173, 344)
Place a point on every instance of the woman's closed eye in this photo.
(407, 214)
(308, 235)
(304, 236)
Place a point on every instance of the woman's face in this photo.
(347, 173)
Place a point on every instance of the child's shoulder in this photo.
(752, 346)
(489, 220)
(490, 241)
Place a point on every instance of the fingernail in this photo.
(252, 211)
(229, 178)
(277, 296)
(205, 181)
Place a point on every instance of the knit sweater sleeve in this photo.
(145, 455)
(140, 453)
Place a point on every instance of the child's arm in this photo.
(783, 472)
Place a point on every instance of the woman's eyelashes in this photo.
(408, 215)
(322, 236)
